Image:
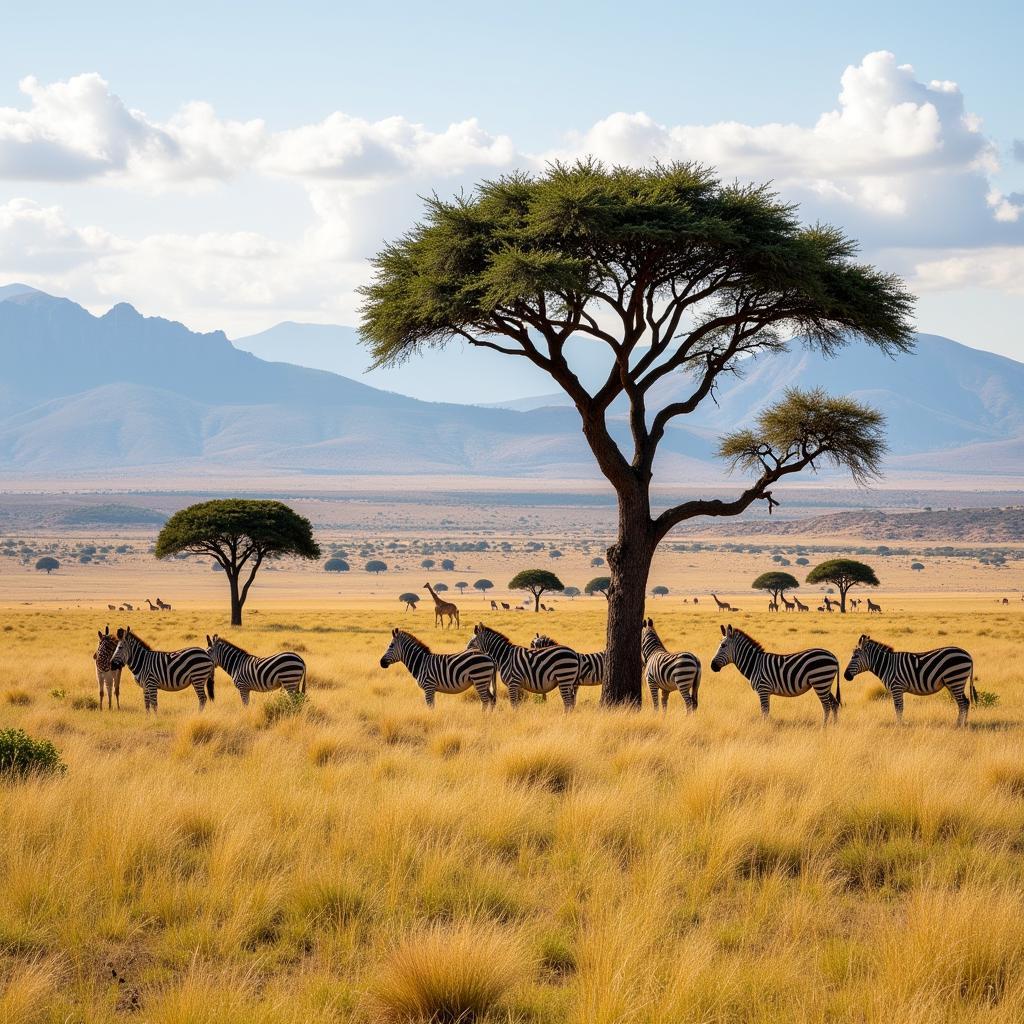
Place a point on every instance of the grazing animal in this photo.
(921, 674)
(723, 606)
(800, 606)
(854, 603)
(872, 607)
(526, 669)
(591, 665)
(1006, 600)
(828, 603)
(781, 675)
(163, 605)
(773, 606)
(442, 609)
(505, 606)
(106, 675)
(443, 673)
(164, 670)
(152, 607)
(665, 672)
(788, 605)
(494, 606)
(111, 607)
(821, 607)
(284, 671)
(696, 600)
(129, 607)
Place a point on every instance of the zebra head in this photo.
(126, 646)
(649, 640)
(726, 650)
(215, 649)
(860, 661)
(393, 653)
(105, 650)
(540, 640)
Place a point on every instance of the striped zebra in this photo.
(591, 665)
(164, 670)
(665, 672)
(250, 672)
(528, 669)
(918, 673)
(781, 675)
(443, 673)
(106, 675)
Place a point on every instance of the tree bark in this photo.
(236, 601)
(629, 560)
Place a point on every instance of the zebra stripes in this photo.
(591, 665)
(164, 670)
(250, 672)
(443, 673)
(781, 675)
(533, 670)
(918, 673)
(106, 675)
(666, 672)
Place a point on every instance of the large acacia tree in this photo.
(240, 535)
(681, 278)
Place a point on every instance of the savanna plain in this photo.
(359, 857)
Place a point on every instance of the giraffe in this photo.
(723, 606)
(442, 609)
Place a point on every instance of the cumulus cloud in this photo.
(37, 239)
(1000, 268)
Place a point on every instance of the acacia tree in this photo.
(599, 585)
(775, 583)
(843, 573)
(537, 582)
(241, 535)
(681, 278)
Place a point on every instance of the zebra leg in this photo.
(200, 693)
(99, 679)
(483, 690)
(962, 703)
(826, 703)
(117, 689)
(428, 693)
(897, 703)
(765, 698)
(691, 704)
(515, 694)
(243, 692)
(151, 698)
(654, 694)
(568, 692)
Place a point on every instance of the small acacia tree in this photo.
(680, 278)
(47, 564)
(775, 583)
(376, 566)
(598, 585)
(483, 586)
(241, 535)
(537, 582)
(843, 573)
(461, 586)
(409, 600)
(659, 591)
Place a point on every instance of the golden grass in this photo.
(365, 859)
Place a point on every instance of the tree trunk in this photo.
(536, 600)
(842, 600)
(629, 560)
(236, 601)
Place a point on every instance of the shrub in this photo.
(19, 698)
(20, 755)
(282, 706)
(84, 703)
(447, 974)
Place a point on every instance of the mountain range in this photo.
(124, 393)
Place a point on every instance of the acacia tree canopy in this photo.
(775, 583)
(240, 534)
(678, 275)
(537, 582)
(843, 573)
(598, 585)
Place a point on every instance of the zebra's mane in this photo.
(142, 643)
(415, 641)
(888, 648)
(234, 647)
(756, 644)
(497, 633)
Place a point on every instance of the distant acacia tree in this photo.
(917, 566)
(376, 566)
(598, 585)
(241, 535)
(537, 582)
(659, 591)
(843, 573)
(483, 586)
(775, 583)
(571, 592)
(428, 563)
(336, 565)
(47, 565)
(409, 600)
(447, 565)
(461, 586)
(597, 562)
(680, 278)
(440, 587)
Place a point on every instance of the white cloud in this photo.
(37, 239)
(998, 268)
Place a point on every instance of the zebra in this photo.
(164, 670)
(918, 673)
(537, 670)
(250, 672)
(591, 665)
(782, 675)
(666, 672)
(443, 673)
(106, 675)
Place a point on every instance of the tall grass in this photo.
(366, 859)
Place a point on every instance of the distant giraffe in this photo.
(152, 607)
(872, 607)
(788, 605)
(773, 606)
(723, 606)
(163, 605)
(800, 606)
(443, 608)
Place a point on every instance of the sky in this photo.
(235, 165)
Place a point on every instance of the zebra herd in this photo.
(173, 671)
(547, 665)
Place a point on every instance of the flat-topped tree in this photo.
(241, 535)
(599, 585)
(843, 573)
(538, 582)
(680, 277)
(775, 583)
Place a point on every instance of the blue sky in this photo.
(233, 165)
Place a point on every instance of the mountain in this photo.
(123, 392)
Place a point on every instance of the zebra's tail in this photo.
(209, 686)
(493, 688)
(302, 681)
(839, 695)
(974, 691)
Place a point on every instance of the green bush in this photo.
(283, 705)
(20, 755)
